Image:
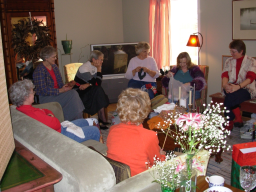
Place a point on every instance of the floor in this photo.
(214, 168)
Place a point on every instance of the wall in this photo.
(135, 20)
(216, 28)
(87, 22)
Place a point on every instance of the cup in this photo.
(215, 180)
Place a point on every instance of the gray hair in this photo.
(19, 91)
(142, 46)
(95, 55)
(47, 52)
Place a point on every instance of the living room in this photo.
(88, 22)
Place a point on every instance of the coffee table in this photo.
(27, 172)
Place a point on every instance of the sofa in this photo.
(82, 168)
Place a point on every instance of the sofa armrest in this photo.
(54, 107)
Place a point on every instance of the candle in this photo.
(194, 97)
(190, 95)
(179, 93)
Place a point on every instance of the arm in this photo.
(131, 72)
(198, 78)
(152, 69)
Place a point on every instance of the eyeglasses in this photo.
(233, 51)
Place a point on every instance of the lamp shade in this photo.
(193, 41)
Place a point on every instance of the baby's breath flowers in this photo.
(164, 172)
(194, 131)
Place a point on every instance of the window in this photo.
(183, 22)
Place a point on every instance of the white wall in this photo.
(135, 20)
(87, 22)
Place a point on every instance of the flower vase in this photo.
(188, 176)
(166, 189)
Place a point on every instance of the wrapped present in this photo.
(243, 154)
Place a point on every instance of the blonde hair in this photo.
(188, 59)
(133, 106)
(141, 47)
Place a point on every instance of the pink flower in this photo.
(179, 168)
(190, 119)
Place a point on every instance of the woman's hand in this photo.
(234, 88)
(65, 88)
(137, 69)
(162, 152)
(169, 74)
(84, 86)
(71, 83)
(228, 88)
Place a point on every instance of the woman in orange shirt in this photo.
(128, 142)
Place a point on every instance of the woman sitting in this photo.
(238, 81)
(128, 142)
(88, 84)
(142, 69)
(50, 88)
(187, 73)
(22, 95)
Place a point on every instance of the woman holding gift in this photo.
(187, 73)
(128, 142)
(142, 69)
(238, 81)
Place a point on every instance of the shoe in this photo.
(104, 123)
(103, 127)
(238, 122)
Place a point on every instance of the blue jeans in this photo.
(90, 132)
(138, 84)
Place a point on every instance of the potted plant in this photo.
(67, 45)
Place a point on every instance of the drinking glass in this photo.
(248, 177)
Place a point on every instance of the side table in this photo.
(27, 172)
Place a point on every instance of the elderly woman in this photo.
(50, 87)
(22, 95)
(88, 84)
(128, 142)
(238, 81)
(187, 73)
(142, 69)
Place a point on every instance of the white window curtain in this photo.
(183, 22)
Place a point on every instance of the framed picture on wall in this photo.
(244, 19)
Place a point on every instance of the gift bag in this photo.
(174, 89)
(240, 158)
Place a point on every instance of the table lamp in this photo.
(194, 42)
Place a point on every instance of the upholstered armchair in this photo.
(203, 99)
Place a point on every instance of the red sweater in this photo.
(134, 146)
(41, 115)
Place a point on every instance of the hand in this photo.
(137, 69)
(234, 88)
(228, 88)
(65, 88)
(51, 115)
(71, 83)
(170, 74)
(84, 86)
(162, 152)
(145, 69)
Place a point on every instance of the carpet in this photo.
(224, 168)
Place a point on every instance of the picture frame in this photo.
(243, 19)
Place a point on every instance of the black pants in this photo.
(233, 100)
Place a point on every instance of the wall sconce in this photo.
(194, 42)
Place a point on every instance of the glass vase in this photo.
(166, 189)
(188, 176)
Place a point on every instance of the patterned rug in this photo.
(224, 168)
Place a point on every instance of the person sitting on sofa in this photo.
(21, 94)
(50, 88)
(128, 142)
